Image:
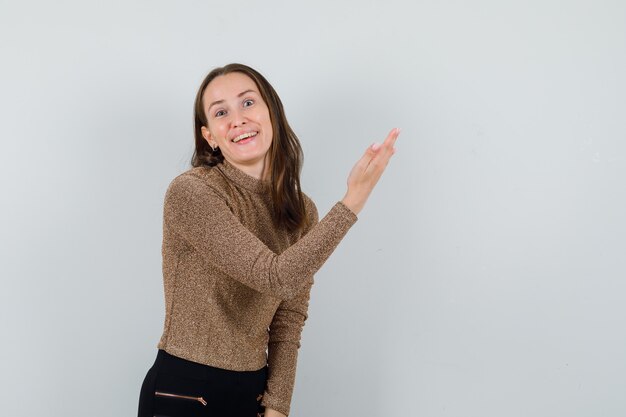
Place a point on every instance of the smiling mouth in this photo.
(244, 136)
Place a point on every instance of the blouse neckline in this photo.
(241, 178)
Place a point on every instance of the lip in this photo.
(242, 132)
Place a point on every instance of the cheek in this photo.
(267, 121)
(268, 128)
(219, 130)
(264, 114)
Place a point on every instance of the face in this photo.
(238, 122)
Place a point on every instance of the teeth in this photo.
(244, 136)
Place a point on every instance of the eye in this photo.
(248, 103)
(220, 113)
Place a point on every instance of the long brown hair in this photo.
(285, 158)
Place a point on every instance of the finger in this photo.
(391, 138)
(367, 157)
(388, 145)
(378, 152)
(389, 141)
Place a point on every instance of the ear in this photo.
(206, 134)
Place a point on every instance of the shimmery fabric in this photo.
(236, 287)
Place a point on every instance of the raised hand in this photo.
(367, 171)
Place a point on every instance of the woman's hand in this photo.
(367, 171)
(273, 413)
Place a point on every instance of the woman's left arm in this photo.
(284, 342)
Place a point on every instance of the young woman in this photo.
(241, 243)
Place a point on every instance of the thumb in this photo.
(369, 154)
(372, 150)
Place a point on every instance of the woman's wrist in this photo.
(353, 205)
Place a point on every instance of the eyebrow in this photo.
(238, 95)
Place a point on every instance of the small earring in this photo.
(214, 149)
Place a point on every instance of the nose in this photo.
(238, 119)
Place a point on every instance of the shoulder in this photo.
(197, 190)
(198, 179)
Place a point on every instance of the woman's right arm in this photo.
(203, 219)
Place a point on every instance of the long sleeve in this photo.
(285, 332)
(201, 217)
(284, 342)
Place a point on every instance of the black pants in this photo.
(176, 387)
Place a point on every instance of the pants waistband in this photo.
(170, 364)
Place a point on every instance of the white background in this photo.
(484, 278)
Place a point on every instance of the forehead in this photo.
(228, 86)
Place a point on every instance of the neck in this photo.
(260, 170)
